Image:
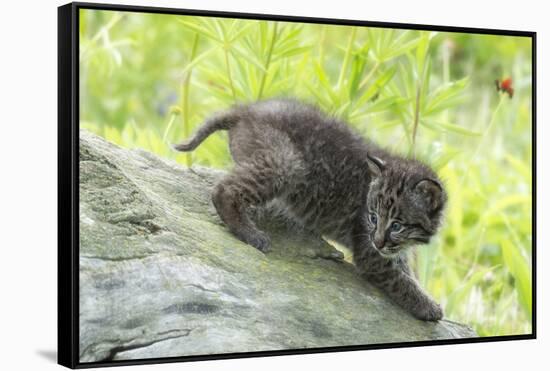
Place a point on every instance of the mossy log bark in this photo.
(160, 276)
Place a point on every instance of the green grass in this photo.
(148, 80)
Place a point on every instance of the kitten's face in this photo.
(403, 208)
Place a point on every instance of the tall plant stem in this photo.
(483, 137)
(102, 31)
(185, 98)
(446, 69)
(347, 57)
(268, 61)
(322, 44)
(369, 76)
(112, 22)
(171, 121)
(446, 78)
(488, 128)
(416, 117)
(491, 124)
(228, 67)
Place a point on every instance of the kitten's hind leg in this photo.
(249, 185)
(278, 219)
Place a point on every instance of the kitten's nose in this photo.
(379, 244)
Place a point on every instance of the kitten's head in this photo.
(404, 205)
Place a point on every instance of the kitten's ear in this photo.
(431, 192)
(376, 165)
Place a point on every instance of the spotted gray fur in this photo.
(335, 184)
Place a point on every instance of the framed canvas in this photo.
(240, 185)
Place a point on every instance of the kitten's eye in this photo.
(373, 218)
(395, 226)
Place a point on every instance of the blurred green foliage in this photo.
(147, 80)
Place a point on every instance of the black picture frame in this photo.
(68, 181)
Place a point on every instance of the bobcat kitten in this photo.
(335, 184)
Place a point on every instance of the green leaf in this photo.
(382, 105)
(200, 30)
(421, 53)
(233, 24)
(219, 26)
(264, 34)
(237, 35)
(407, 80)
(399, 39)
(340, 111)
(388, 124)
(425, 87)
(459, 294)
(504, 203)
(520, 269)
(244, 79)
(290, 52)
(449, 128)
(292, 35)
(211, 24)
(400, 50)
(357, 68)
(520, 167)
(446, 157)
(386, 38)
(248, 58)
(446, 96)
(374, 38)
(380, 82)
(318, 93)
(385, 77)
(197, 60)
(324, 80)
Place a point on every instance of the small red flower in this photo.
(505, 86)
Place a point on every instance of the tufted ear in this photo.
(376, 165)
(431, 192)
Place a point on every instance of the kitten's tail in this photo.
(220, 122)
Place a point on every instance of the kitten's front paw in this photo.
(430, 311)
(260, 241)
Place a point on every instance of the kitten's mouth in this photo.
(387, 252)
